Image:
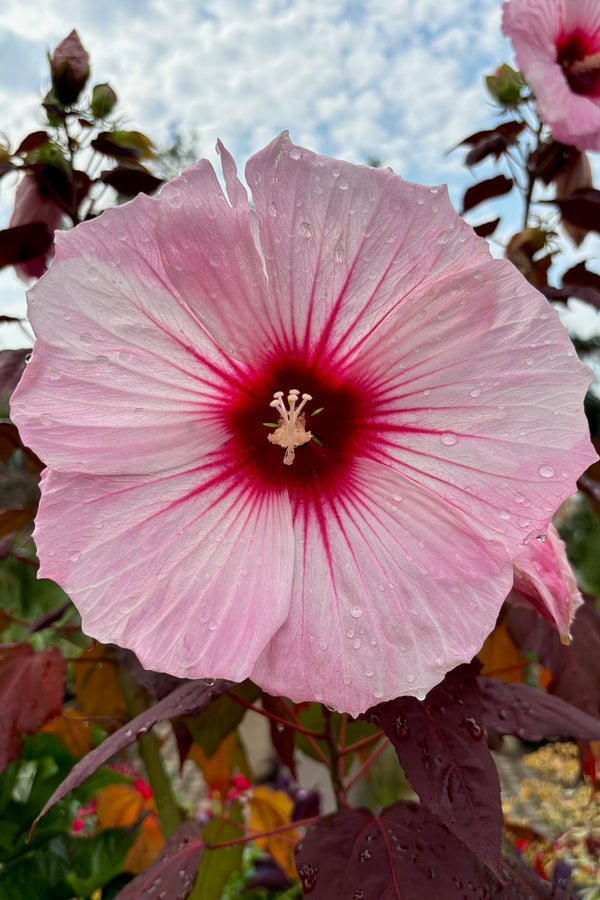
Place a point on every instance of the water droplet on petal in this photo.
(369, 671)
(357, 644)
(344, 185)
(448, 439)
(504, 514)
(295, 153)
(546, 471)
(212, 625)
(85, 337)
(215, 259)
(475, 392)
(208, 681)
(305, 229)
(273, 209)
(356, 612)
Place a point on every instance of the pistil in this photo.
(291, 431)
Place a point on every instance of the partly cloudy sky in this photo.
(400, 80)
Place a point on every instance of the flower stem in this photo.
(168, 811)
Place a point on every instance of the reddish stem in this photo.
(274, 717)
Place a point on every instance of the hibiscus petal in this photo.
(536, 28)
(210, 254)
(134, 383)
(466, 401)
(544, 579)
(394, 588)
(166, 566)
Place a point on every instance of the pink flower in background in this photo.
(442, 393)
(557, 46)
(544, 579)
(31, 206)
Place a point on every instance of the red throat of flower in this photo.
(580, 59)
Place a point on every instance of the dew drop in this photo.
(474, 729)
(208, 681)
(212, 625)
(85, 337)
(540, 538)
(215, 259)
(369, 671)
(426, 392)
(305, 229)
(273, 209)
(124, 357)
(546, 471)
(381, 588)
(475, 392)
(504, 514)
(448, 439)
(356, 612)
(102, 360)
(338, 253)
(139, 411)
(365, 855)
(93, 273)
(295, 153)
(519, 498)
(344, 185)
(357, 644)
(410, 678)
(401, 729)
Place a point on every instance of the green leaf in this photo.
(218, 865)
(97, 860)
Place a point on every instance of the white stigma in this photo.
(291, 431)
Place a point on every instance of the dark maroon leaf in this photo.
(575, 668)
(158, 684)
(508, 130)
(32, 142)
(561, 295)
(486, 228)
(403, 854)
(581, 208)
(23, 242)
(131, 180)
(531, 714)
(580, 275)
(440, 745)
(484, 190)
(12, 366)
(106, 145)
(550, 159)
(493, 142)
(282, 738)
(188, 699)
(32, 690)
(173, 874)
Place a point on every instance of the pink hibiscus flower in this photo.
(557, 46)
(544, 579)
(31, 206)
(348, 306)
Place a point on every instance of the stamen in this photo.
(291, 431)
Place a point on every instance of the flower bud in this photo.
(70, 69)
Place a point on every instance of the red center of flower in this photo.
(579, 56)
(324, 443)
